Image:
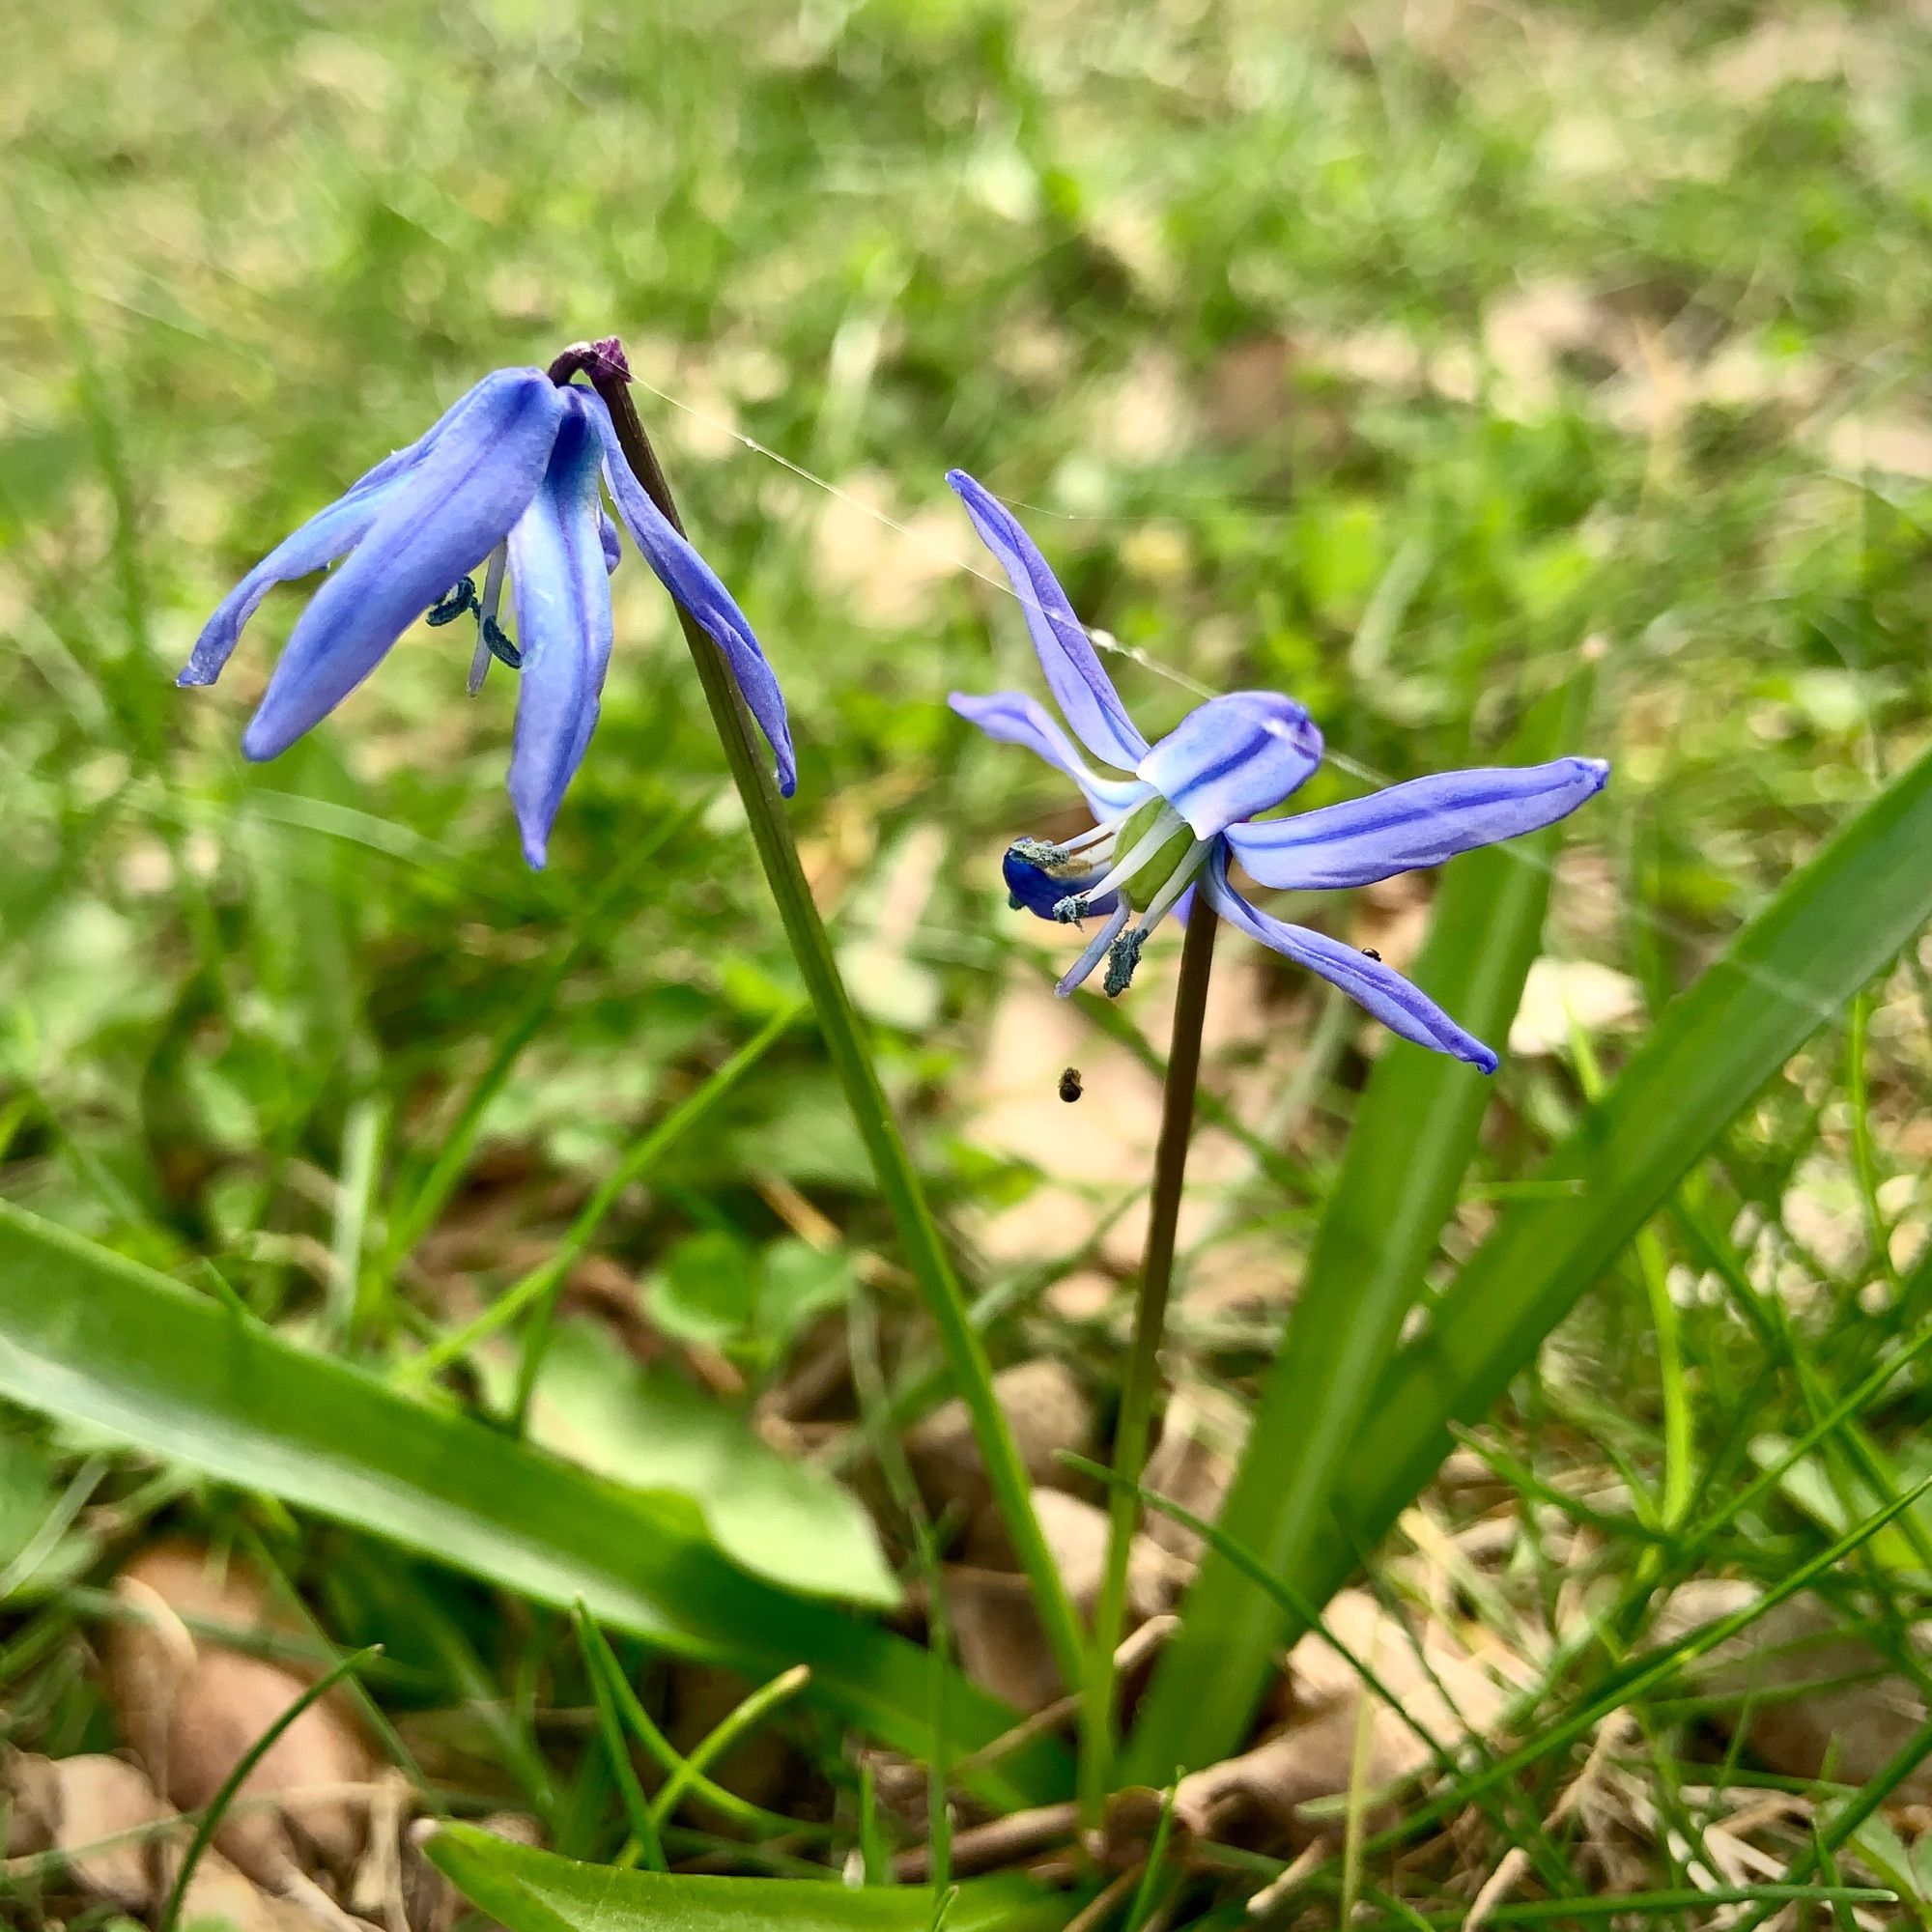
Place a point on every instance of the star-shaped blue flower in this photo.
(1193, 800)
(506, 482)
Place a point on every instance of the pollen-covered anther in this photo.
(1040, 852)
(1070, 910)
(1123, 957)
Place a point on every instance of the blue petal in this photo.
(1408, 826)
(441, 519)
(1014, 719)
(1402, 1008)
(411, 454)
(1083, 691)
(327, 535)
(694, 584)
(607, 535)
(1232, 758)
(563, 627)
(1040, 891)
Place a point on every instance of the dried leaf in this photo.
(1049, 1412)
(1002, 1645)
(1860, 1714)
(102, 1798)
(1257, 1797)
(191, 1709)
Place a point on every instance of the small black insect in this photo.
(1069, 1085)
(1369, 952)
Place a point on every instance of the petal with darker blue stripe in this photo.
(436, 522)
(1408, 826)
(1401, 1006)
(697, 587)
(1082, 689)
(1234, 756)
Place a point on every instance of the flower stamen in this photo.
(1167, 821)
(489, 639)
(1049, 858)
(1096, 951)
(1123, 957)
(1182, 876)
(460, 596)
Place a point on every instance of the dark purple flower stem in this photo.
(1137, 1392)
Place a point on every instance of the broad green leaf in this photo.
(1833, 926)
(99, 1340)
(647, 1428)
(538, 1892)
(1411, 1142)
(706, 1288)
(715, 1289)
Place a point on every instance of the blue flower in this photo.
(1192, 801)
(507, 482)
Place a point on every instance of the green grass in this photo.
(1393, 371)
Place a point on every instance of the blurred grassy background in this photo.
(1381, 354)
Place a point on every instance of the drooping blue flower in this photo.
(507, 482)
(1186, 805)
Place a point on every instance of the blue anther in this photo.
(460, 597)
(501, 648)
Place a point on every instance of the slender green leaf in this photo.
(90, 1336)
(1411, 1142)
(537, 1891)
(1833, 926)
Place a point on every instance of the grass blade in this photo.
(1412, 1139)
(599, 1667)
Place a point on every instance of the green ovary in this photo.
(1155, 873)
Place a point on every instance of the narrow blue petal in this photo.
(1408, 826)
(696, 586)
(1014, 719)
(1234, 756)
(607, 535)
(1404, 1009)
(411, 454)
(563, 626)
(437, 522)
(1038, 889)
(328, 534)
(1082, 689)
